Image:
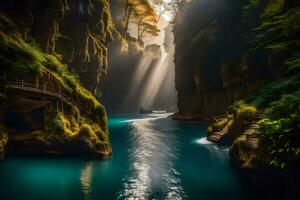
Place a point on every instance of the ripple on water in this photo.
(203, 141)
(153, 156)
(217, 151)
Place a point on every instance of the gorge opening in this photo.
(149, 99)
(148, 78)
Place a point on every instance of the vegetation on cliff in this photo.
(214, 63)
(80, 125)
(238, 118)
(22, 58)
(278, 32)
(271, 29)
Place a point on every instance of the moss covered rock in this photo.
(54, 112)
(3, 141)
(225, 129)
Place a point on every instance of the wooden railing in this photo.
(23, 85)
(45, 87)
(251, 139)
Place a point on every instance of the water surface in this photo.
(154, 158)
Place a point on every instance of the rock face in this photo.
(249, 153)
(77, 31)
(237, 129)
(214, 63)
(234, 124)
(154, 50)
(44, 107)
(226, 51)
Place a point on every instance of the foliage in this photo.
(239, 117)
(277, 31)
(56, 123)
(141, 14)
(287, 104)
(283, 140)
(218, 124)
(273, 91)
(278, 27)
(241, 109)
(18, 56)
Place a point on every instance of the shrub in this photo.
(286, 105)
(18, 56)
(241, 109)
(283, 140)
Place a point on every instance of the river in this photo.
(153, 157)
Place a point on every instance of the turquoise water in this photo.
(154, 158)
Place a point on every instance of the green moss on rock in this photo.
(82, 127)
(3, 140)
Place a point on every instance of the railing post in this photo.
(37, 82)
(59, 92)
(57, 106)
(22, 84)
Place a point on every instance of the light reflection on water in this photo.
(86, 180)
(153, 154)
(154, 158)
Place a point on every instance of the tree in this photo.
(146, 21)
(163, 7)
(142, 14)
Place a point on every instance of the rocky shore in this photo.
(249, 153)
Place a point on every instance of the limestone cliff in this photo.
(77, 31)
(214, 62)
(47, 49)
(230, 50)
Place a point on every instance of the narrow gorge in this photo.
(149, 99)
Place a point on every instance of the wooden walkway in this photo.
(46, 89)
(250, 137)
(217, 135)
(20, 85)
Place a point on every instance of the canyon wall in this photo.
(76, 31)
(214, 62)
(53, 56)
(237, 64)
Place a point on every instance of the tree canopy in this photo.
(141, 14)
